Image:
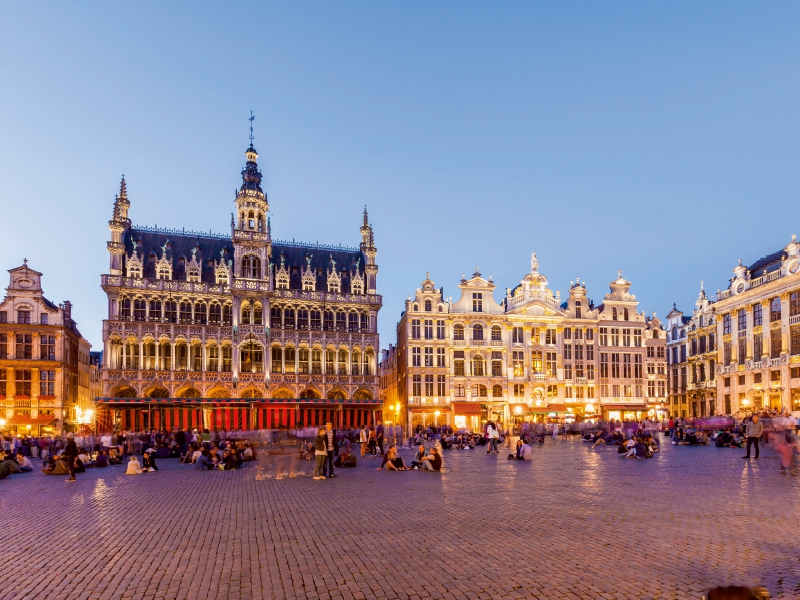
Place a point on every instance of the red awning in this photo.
(467, 408)
(42, 420)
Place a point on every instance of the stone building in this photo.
(45, 366)
(238, 331)
(528, 358)
(758, 325)
(677, 363)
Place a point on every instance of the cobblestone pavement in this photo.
(574, 523)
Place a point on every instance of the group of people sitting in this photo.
(56, 464)
(523, 450)
(690, 437)
(423, 460)
(640, 446)
(11, 464)
(223, 456)
(148, 464)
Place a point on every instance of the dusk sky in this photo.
(660, 139)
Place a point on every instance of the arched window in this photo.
(185, 315)
(302, 319)
(458, 332)
(477, 333)
(329, 320)
(478, 369)
(215, 314)
(171, 311)
(342, 362)
(415, 308)
(496, 333)
(624, 314)
(428, 306)
(369, 361)
(458, 390)
(252, 357)
(794, 304)
(330, 361)
(251, 267)
(139, 309)
(277, 360)
(578, 309)
(213, 357)
(149, 359)
(614, 314)
(163, 272)
(364, 322)
(341, 321)
(125, 311)
(227, 311)
(655, 334)
(200, 314)
(497, 391)
(316, 320)
(353, 321)
(181, 356)
(674, 332)
(316, 361)
(155, 310)
(288, 359)
(441, 308)
(246, 312)
(355, 363)
(302, 355)
(288, 318)
(275, 314)
(481, 391)
(258, 313)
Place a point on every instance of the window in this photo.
(497, 391)
(302, 360)
(477, 333)
(170, 311)
(603, 364)
(352, 322)
(702, 344)
(550, 358)
(47, 347)
(186, 312)
(479, 391)
(604, 336)
(215, 314)
(416, 357)
(22, 382)
(439, 330)
(428, 357)
(429, 385)
(44, 318)
(517, 335)
(477, 302)
(662, 389)
(441, 391)
(615, 365)
(727, 404)
(478, 367)
(568, 372)
(24, 345)
(458, 391)
(201, 315)
(251, 267)
(139, 309)
(416, 385)
(329, 320)
(496, 333)
(3, 316)
(458, 332)
(24, 317)
(277, 360)
(726, 353)
(567, 351)
(458, 363)
(497, 365)
(693, 350)
(428, 306)
(550, 337)
(428, 329)
(775, 337)
(626, 337)
(330, 361)
(794, 304)
(47, 383)
(518, 363)
(614, 336)
(757, 315)
(651, 352)
(3, 387)
(742, 318)
(614, 314)
(794, 340)
(567, 333)
(589, 352)
(577, 310)
(226, 314)
(626, 365)
(227, 358)
(3, 348)
(637, 366)
(624, 314)
(742, 354)
(775, 310)
(775, 376)
(341, 323)
(726, 324)
(651, 389)
(440, 357)
(536, 361)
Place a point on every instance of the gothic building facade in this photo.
(269, 333)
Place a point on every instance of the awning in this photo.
(17, 421)
(631, 407)
(176, 401)
(467, 408)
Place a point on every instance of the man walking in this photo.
(380, 436)
(331, 450)
(70, 454)
(754, 431)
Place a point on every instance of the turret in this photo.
(118, 224)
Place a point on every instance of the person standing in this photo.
(753, 432)
(320, 454)
(331, 449)
(70, 454)
(380, 437)
(364, 439)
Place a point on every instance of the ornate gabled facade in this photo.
(239, 317)
(530, 357)
(47, 373)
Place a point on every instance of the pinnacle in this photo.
(123, 189)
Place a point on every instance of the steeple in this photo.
(365, 230)
(118, 224)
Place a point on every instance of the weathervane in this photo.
(252, 117)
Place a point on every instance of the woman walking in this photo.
(320, 454)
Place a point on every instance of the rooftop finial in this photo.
(366, 217)
(619, 273)
(701, 286)
(123, 189)
(534, 263)
(251, 119)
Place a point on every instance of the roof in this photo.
(211, 247)
(770, 262)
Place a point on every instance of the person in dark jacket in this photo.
(69, 455)
(180, 439)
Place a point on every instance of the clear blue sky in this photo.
(661, 139)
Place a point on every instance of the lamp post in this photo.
(436, 415)
(397, 420)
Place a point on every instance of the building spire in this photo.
(366, 217)
(251, 119)
(123, 189)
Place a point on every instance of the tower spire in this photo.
(366, 217)
(123, 189)
(251, 119)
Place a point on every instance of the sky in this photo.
(656, 138)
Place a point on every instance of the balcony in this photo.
(795, 320)
(497, 343)
(539, 377)
(580, 380)
(432, 401)
(459, 342)
(328, 296)
(475, 342)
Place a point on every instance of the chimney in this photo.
(67, 313)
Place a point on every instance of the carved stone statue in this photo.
(534, 263)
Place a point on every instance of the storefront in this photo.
(467, 416)
(623, 412)
(35, 426)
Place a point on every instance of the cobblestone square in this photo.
(574, 523)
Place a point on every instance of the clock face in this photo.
(794, 267)
(740, 287)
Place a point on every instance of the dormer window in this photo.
(577, 310)
(193, 274)
(163, 272)
(624, 314)
(614, 314)
(477, 302)
(428, 306)
(282, 281)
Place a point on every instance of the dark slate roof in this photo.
(771, 262)
(49, 304)
(212, 248)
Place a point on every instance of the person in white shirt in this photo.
(525, 452)
(24, 463)
(134, 468)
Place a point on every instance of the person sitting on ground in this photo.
(588, 437)
(11, 464)
(392, 462)
(150, 460)
(306, 451)
(134, 468)
(629, 448)
(420, 454)
(85, 459)
(204, 460)
(229, 460)
(640, 450)
(101, 460)
(516, 450)
(24, 463)
(247, 453)
(691, 438)
(346, 459)
(702, 438)
(55, 466)
(433, 461)
(524, 452)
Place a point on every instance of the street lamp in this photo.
(436, 415)
(397, 418)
